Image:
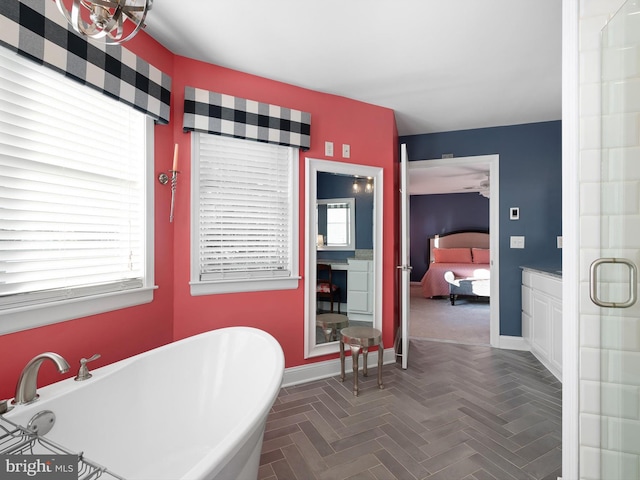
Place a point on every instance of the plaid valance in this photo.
(221, 114)
(37, 30)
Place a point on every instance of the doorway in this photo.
(420, 170)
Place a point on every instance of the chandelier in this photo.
(104, 19)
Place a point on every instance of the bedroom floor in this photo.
(465, 322)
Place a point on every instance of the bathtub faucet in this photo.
(27, 384)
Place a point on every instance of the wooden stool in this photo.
(360, 338)
(331, 323)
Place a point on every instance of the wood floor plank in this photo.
(459, 412)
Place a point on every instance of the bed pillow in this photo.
(480, 255)
(452, 255)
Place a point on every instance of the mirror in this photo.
(343, 221)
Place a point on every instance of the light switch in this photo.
(328, 149)
(346, 150)
(559, 241)
(517, 242)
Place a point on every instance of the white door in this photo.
(405, 268)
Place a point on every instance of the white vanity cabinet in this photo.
(542, 317)
(360, 290)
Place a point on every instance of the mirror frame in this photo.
(313, 166)
(352, 224)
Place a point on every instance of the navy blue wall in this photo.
(530, 178)
(436, 214)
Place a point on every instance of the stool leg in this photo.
(380, 353)
(355, 353)
(365, 353)
(327, 334)
(341, 360)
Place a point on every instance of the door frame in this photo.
(494, 226)
(571, 280)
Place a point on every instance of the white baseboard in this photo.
(330, 368)
(513, 343)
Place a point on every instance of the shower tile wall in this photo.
(598, 363)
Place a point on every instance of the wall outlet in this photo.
(346, 150)
(517, 242)
(328, 149)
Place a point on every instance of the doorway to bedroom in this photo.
(452, 195)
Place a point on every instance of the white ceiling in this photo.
(449, 179)
(441, 65)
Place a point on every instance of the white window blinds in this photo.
(71, 188)
(244, 208)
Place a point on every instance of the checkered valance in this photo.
(37, 30)
(221, 114)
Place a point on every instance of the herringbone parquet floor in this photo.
(458, 412)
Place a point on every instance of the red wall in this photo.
(174, 313)
(370, 131)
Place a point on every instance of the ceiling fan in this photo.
(483, 188)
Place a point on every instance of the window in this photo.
(244, 228)
(336, 224)
(76, 228)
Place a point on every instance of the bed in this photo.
(464, 254)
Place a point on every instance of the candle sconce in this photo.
(163, 178)
(174, 185)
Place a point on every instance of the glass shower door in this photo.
(614, 279)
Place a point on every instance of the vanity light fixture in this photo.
(368, 185)
(104, 19)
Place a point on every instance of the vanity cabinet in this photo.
(360, 290)
(542, 317)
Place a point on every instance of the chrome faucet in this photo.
(27, 384)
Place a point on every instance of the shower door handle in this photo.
(633, 282)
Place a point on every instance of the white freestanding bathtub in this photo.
(193, 409)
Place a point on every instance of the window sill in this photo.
(24, 318)
(243, 285)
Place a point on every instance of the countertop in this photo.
(548, 270)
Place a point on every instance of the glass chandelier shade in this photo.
(104, 19)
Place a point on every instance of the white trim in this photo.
(513, 343)
(351, 245)
(49, 313)
(331, 368)
(571, 238)
(312, 167)
(494, 227)
(198, 287)
(243, 285)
